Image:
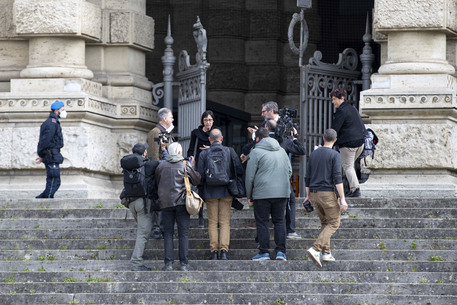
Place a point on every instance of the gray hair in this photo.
(163, 112)
(271, 105)
(329, 135)
(175, 148)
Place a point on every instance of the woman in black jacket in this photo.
(199, 141)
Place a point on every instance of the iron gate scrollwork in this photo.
(192, 87)
(317, 80)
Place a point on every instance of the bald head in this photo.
(215, 135)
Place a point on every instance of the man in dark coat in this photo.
(350, 129)
(217, 197)
(49, 145)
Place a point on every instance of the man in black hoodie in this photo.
(350, 129)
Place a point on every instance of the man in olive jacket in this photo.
(267, 186)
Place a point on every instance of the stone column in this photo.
(412, 102)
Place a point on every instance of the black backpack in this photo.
(216, 164)
(135, 183)
(370, 141)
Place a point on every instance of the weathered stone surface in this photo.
(264, 78)
(131, 28)
(7, 26)
(415, 146)
(392, 15)
(225, 49)
(262, 51)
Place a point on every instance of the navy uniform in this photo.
(49, 145)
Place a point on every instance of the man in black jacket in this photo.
(350, 129)
(217, 197)
(49, 145)
(292, 146)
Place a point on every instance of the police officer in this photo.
(49, 145)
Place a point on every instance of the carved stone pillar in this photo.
(118, 60)
(412, 102)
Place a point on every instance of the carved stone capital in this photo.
(411, 15)
(131, 28)
(68, 17)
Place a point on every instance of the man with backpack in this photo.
(217, 166)
(139, 191)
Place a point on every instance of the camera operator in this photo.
(159, 138)
(292, 146)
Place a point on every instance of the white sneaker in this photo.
(327, 257)
(293, 236)
(315, 256)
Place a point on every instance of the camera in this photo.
(286, 124)
(164, 137)
(308, 206)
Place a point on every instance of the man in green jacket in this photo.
(268, 188)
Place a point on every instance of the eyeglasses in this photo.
(207, 120)
(264, 111)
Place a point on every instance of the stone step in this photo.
(235, 233)
(234, 254)
(347, 222)
(224, 287)
(300, 297)
(357, 265)
(122, 213)
(232, 276)
(113, 203)
(126, 244)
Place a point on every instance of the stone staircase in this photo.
(77, 251)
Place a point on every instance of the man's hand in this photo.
(344, 205)
(38, 160)
(243, 158)
(252, 129)
(163, 146)
(292, 133)
(192, 161)
(250, 202)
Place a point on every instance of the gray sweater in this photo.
(323, 170)
(268, 171)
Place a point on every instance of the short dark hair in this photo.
(207, 113)
(339, 93)
(271, 105)
(271, 125)
(261, 133)
(329, 135)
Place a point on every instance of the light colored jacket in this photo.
(268, 171)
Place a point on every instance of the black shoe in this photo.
(140, 268)
(167, 267)
(156, 234)
(184, 267)
(224, 256)
(201, 222)
(214, 256)
(354, 194)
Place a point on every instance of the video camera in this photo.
(164, 137)
(285, 123)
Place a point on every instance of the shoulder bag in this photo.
(193, 201)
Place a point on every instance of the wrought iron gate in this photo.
(191, 83)
(317, 80)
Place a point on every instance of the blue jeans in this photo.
(182, 218)
(52, 180)
(275, 207)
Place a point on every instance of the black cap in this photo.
(139, 148)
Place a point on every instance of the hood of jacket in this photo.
(174, 158)
(268, 144)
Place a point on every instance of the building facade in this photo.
(101, 58)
